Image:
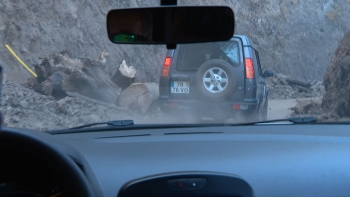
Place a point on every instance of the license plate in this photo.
(180, 87)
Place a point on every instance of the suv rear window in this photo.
(192, 56)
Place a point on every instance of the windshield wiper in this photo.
(129, 124)
(295, 120)
(86, 128)
(116, 123)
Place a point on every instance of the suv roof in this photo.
(245, 40)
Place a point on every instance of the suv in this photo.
(224, 76)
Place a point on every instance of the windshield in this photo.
(286, 59)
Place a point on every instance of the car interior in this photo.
(268, 159)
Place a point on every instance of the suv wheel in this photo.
(216, 79)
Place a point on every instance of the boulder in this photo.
(337, 79)
(139, 96)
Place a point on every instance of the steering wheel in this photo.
(74, 183)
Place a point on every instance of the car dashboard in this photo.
(213, 161)
(22, 175)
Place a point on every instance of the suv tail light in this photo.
(249, 68)
(166, 67)
(239, 107)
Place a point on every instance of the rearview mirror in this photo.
(170, 25)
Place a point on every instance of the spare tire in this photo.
(216, 79)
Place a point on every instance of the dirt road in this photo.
(280, 108)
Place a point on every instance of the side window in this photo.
(258, 61)
(255, 62)
(231, 51)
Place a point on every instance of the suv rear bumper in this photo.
(216, 110)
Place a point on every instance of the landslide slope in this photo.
(294, 37)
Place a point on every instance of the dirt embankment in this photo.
(37, 28)
(294, 37)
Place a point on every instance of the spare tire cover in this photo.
(215, 79)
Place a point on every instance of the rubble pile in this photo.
(313, 108)
(61, 75)
(23, 107)
(281, 87)
(69, 92)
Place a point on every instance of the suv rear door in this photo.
(261, 80)
(189, 58)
